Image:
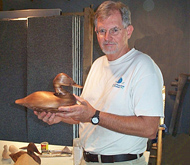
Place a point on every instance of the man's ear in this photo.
(129, 31)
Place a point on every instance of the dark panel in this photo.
(49, 53)
(12, 79)
(163, 33)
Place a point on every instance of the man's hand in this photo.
(82, 111)
(49, 118)
(52, 118)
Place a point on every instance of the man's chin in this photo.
(107, 52)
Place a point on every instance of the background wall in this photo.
(45, 43)
(13, 58)
(161, 30)
(32, 53)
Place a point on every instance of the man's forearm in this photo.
(143, 126)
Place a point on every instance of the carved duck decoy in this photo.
(31, 148)
(50, 101)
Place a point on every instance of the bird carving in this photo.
(31, 148)
(50, 101)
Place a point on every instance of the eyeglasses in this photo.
(113, 31)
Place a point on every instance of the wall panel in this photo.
(13, 54)
(49, 53)
(32, 53)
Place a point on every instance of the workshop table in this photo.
(44, 160)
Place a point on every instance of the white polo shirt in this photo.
(131, 85)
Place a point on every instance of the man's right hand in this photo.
(48, 117)
(52, 118)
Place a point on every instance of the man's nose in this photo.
(107, 35)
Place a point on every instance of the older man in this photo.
(121, 102)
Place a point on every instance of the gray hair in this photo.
(108, 7)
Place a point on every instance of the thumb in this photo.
(79, 99)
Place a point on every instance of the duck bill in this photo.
(20, 101)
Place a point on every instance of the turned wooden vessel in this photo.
(50, 101)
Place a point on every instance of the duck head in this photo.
(63, 79)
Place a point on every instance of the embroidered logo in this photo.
(119, 83)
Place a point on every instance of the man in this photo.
(121, 102)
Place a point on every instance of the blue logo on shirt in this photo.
(120, 80)
(119, 83)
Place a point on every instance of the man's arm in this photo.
(143, 126)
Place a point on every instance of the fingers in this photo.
(74, 107)
(46, 117)
(80, 100)
(35, 112)
(70, 112)
(50, 118)
(65, 114)
(40, 115)
(81, 112)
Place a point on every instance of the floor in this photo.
(176, 150)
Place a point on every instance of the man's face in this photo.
(112, 36)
